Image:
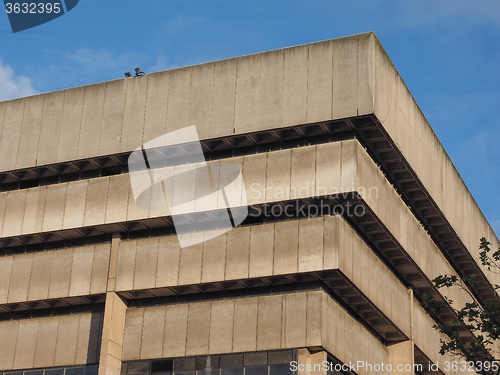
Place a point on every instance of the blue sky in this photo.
(447, 51)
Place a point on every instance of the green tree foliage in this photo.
(482, 320)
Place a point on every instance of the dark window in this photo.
(54, 371)
(282, 369)
(232, 371)
(256, 370)
(75, 371)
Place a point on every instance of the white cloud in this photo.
(12, 86)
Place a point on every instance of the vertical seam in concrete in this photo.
(40, 129)
(145, 110)
(63, 205)
(158, 239)
(102, 120)
(210, 108)
(235, 95)
(81, 122)
(166, 103)
(164, 329)
(187, 329)
(210, 304)
(20, 134)
(307, 83)
(179, 268)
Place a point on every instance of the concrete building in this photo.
(354, 207)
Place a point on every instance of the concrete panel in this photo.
(25, 344)
(167, 269)
(14, 212)
(97, 193)
(190, 264)
(8, 340)
(81, 271)
(156, 105)
(5, 274)
(87, 346)
(112, 118)
(314, 324)
(245, 325)
(100, 268)
(50, 128)
(71, 119)
(176, 319)
(133, 120)
(198, 329)
(200, 99)
(331, 242)
(295, 85)
(3, 204)
(261, 250)
(60, 274)
(270, 100)
(319, 81)
(53, 213)
(112, 334)
(328, 158)
(286, 243)
(145, 263)
(93, 107)
(223, 99)
(345, 77)
(254, 179)
(348, 169)
(278, 175)
(32, 204)
(366, 67)
(30, 132)
(67, 336)
(20, 278)
(311, 245)
(40, 275)
(126, 265)
(237, 254)
(214, 259)
(269, 322)
(329, 330)
(133, 211)
(294, 320)
(247, 93)
(179, 91)
(46, 340)
(11, 132)
(153, 332)
(118, 195)
(303, 175)
(221, 327)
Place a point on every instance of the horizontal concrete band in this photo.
(47, 342)
(269, 177)
(248, 324)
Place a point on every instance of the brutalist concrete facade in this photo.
(354, 208)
